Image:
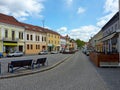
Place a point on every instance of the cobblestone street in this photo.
(77, 73)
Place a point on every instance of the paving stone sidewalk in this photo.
(52, 60)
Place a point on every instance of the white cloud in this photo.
(69, 2)
(80, 10)
(62, 30)
(110, 8)
(88, 31)
(21, 9)
(84, 32)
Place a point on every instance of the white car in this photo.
(54, 52)
(43, 52)
(15, 54)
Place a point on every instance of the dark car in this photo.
(1, 54)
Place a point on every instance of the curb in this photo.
(34, 72)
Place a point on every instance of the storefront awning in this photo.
(109, 37)
(10, 44)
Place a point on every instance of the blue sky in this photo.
(78, 18)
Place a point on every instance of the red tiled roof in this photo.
(9, 20)
(50, 31)
(62, 37)
(32, 27)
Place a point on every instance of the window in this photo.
(36, 38)
(115, 27)
(13, 35)
(38, 46)
(45, 38)
(42, 38)
(27, 46)
(31, 37)
(27, 36)
(6, 33)
(20, 35)
(31, 46)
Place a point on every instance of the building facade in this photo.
(35, 39)
(110, 35)
(11, 34)
(62, 43)
(53, 40)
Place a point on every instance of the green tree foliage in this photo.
(80, 43)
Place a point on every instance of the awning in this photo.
(10, 44)
(109, 37)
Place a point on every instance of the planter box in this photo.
(100, 59)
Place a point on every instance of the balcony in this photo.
(10, 39)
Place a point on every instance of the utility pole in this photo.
(43, 21)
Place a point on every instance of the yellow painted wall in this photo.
(54, 39)
(33, 50)
(34, 43)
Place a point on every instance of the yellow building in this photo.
(53, 40)
(35, 39)
(11, 34)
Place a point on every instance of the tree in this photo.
(80, 43)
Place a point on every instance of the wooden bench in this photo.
(40, 61)
(14, 65)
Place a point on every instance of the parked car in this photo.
(15, 54)
(43, 52)
(87, 52)
(1, 55)
(54, 52)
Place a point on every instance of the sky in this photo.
(80, 19)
